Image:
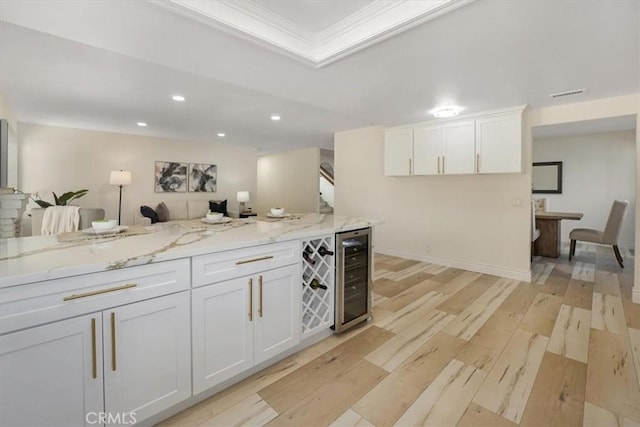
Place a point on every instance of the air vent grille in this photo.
(568, 93)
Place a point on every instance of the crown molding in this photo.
(376, 22)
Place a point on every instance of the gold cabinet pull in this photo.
(251, 300)
(438, 164)
(409, 166)
(247, 261)
(94, 350)
(101, 291)
(442, 164)
(478, 163)
(113, 341)
(260, 293)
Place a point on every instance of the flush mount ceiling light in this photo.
(178, 98)
(221, 135)
(142, 124)
(448, 111)
(275, 117)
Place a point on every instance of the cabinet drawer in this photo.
(226, 265)
(37, 303)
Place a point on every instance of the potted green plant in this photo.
(59, 201)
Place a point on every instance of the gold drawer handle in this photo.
(102, 291)
(94, 350)
(247, 261)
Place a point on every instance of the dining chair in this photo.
(610, 234)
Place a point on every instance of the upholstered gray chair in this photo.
(610, 234)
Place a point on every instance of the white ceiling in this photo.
(313, 15)
(610, 124)
(108, 65)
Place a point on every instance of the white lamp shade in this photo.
(120, 177)
(243, 196)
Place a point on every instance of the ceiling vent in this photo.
(568, 93)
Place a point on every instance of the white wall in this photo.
(12, 148)
(62, 159)
(597, 169)
(467, 221)
(289, 180)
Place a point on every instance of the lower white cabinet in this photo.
(242, 322)
(123, 363)
(52, 375)
(147, 355)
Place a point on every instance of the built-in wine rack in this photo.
(318, 287)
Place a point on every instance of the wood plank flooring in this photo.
(448, 347)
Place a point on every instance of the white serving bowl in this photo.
(277, 211)
(103, 225)
(214, 215)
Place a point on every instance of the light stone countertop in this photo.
(33, 259)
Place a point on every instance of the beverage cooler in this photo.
(353, 278)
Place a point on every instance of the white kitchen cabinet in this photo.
(398, 152)
(147, 355)
(446, 148)
(52, 374)
(222, 331)
(55, 375)
(499, 143)
(242, 322)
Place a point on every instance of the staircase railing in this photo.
(327, 175)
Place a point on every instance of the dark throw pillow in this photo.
(149, 213)
(219, 206)
(163, 212)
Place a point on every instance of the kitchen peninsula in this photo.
(126, 328)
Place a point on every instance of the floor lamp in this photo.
(120, 178)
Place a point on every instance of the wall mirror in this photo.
(547, 177)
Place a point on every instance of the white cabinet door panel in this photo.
(277, 300)
(499, 143)
(427, 150)
(222, 331)
(150, 369)
(51, 375)
(458, 148)
(398, 152)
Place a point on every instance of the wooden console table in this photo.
(548, 244)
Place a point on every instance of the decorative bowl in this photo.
(214, 215)
(277, 211)
(104, 224)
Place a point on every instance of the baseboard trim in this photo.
(522, 275)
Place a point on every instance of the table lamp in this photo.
(120, 178)
(243, 196)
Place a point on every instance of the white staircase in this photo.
(325, 208)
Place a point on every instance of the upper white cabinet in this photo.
(499, 143)
(490, 143)
(444, 149)
(398, 152)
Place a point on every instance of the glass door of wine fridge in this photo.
(353, 278)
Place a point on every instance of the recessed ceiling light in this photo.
(448, 111)
(142, 124)
(178, 98)
(275, 117)
(221, 135)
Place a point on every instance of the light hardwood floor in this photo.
(448, 347)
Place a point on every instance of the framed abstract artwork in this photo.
(203, 177)
(170, 177)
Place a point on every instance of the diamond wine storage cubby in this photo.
(318, 271)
